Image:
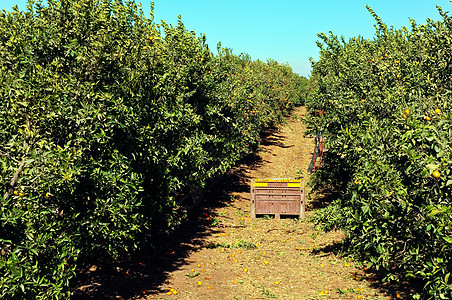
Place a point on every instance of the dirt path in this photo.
(234, 257)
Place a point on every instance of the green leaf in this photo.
(448, 239)
(433, 212)
(13, 270)
(432, 167)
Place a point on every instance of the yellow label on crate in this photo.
(261, 184)
(294, 184)
(278, 180)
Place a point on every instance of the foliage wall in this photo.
(105, 118)
(388, 128)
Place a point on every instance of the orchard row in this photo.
(107, 120)
(388, 130)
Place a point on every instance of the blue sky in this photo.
(283, 30)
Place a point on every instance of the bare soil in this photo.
(225, 254)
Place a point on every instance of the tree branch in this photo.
(15, 178)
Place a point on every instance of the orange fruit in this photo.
(405, 116)
(427, 118)
(407, 111)
(356, 181)
(362, 100)
(436, 174)
(437, 111)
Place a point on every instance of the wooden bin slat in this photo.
(277, 197)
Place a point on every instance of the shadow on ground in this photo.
(395, 289)
(144, 272)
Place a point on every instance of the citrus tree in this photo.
(387, 126)
(106, 120)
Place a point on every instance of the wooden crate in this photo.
(277, 197)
